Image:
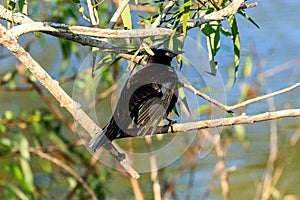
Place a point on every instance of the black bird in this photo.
(147, 97)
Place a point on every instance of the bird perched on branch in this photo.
(147, 97)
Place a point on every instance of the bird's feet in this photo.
(171, 122)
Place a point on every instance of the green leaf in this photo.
(37, 127)
(212, 32)
(3, 128)
(28, 175)
(236, 43)
(17, 191)
(126, 16)
(23, 6)
(5, 141)
(8, 77)
(9, 115)
(147, 48)
(225, 32)
(11, 5)
(247, 67)
(249, 18)
(24, 163)
(16, 171)
(24, 146)
(183, 97)
(185, 9)
(240, 132)
(81, 10)
(203, 109)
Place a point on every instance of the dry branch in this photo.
(65, 167)
(231, 9)
(64, 99)
(214, 123)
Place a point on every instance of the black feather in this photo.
(148, 96)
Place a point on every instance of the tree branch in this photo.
(117, 14)
(164, 13)
(231, 9)
(20, 18)
(230, 109)
(214, 123)
(65, 167)
(259, 98)
(87, 31)
(64, 99)
(79, 33)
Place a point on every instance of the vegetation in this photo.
(43, 150)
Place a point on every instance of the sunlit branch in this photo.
(230, 109)
(117, 14)
(231, 9)
(91, 12)
(259, 98)
(214, 123)
(61, 96)
(87, 31)
(164, 13)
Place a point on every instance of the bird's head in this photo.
(162, 56)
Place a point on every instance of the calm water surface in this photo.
(280, 24)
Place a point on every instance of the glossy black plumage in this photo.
(148, 96)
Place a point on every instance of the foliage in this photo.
(31, 132)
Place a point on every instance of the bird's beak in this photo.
(175, 53)
(178, 52)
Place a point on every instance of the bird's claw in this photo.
(171, 122)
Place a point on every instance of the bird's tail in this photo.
(98, 140)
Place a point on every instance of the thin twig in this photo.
(65, 167)
(143, 8)
(164, 13)
(266, 96)
(281, 166)
(55, 148)
(91, 12)
(267, 179)
(190, 159)
(221, 168)
(46, 99)
(231, 9)
(61, 96)
(138, 194)
(205, 124)
(20, 18)
(117, 14)
(87, 172)
(239, 105)
(135, 184)
(101, 96)
(207, 98)
(153, 167)
(280, 68)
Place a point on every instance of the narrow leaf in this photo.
(23, 6)
(126, 17)
(17, 191)
(247, 67)
(212, 32)
(249, 18)
(236, 43)
(185, 9)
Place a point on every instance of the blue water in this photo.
(278, 39)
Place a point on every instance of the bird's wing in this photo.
(151, 112)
